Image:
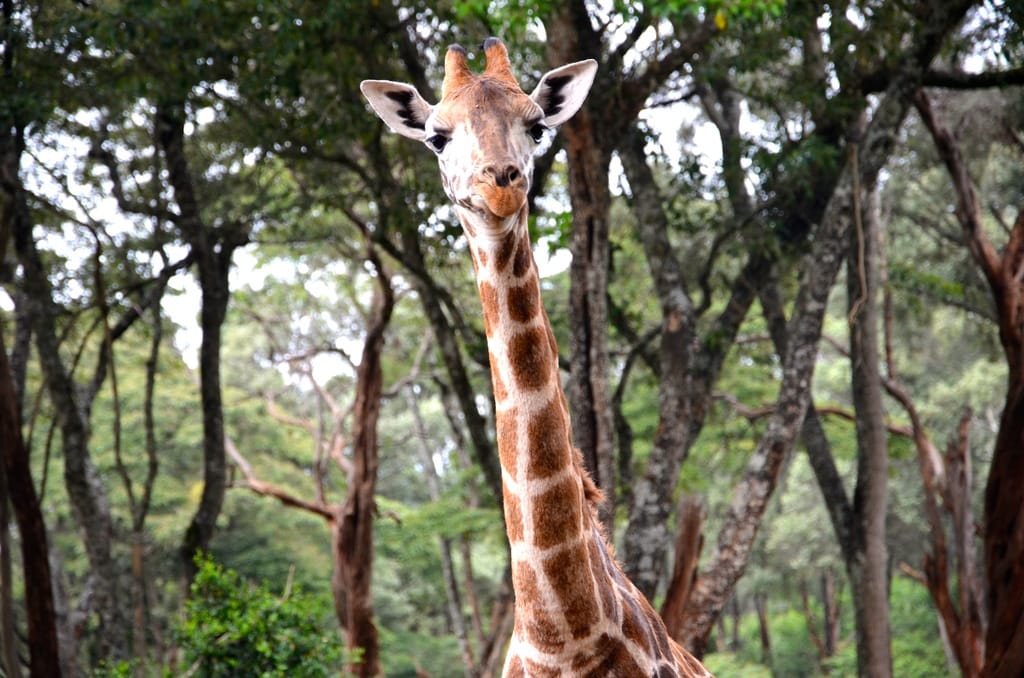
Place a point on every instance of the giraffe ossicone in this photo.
(576, 613)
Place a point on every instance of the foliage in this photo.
(917, 647)
(729, 664)
(280, 140)
(235, 628)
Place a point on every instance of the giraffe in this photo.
(576, 613)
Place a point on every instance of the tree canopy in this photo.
(781, 248)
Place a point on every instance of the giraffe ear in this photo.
(561, 92)
(399, 105)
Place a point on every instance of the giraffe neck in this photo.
(576, 613)
(558, 557)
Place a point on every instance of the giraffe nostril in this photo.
(509, 175)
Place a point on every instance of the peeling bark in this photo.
(689, 542)
(1004, 496)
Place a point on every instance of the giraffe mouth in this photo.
(501, 201)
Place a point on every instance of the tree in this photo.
(865, 159)
(1004, 532)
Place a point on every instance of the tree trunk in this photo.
(1004, 539)
(502, 619)
(686, 369)
(830, 612)
(590, 138)
(44, 654)
(869, 568)
(812, 626)
(689, 542)
(354, 529)
(85, 488)
(735, 643)
(8, 621)
(1004, 496)
(760, 605)
(819, 266)
(212, 250)
(589, 154)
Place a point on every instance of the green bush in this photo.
(731, 665)
(233, 628)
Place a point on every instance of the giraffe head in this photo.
(485, 130)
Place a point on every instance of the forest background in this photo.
(783, 253)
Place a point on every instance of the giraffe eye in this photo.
(537, 131)
(437, 142)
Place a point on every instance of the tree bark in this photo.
(212, 250)
(590, 138)
(689, 542)
(820, 266)
(84, 486)
(8, 621)
(812, 626)
(17, 487)
(687, 368)
(830, 612)
(760, 605)
(869, 574)
(589, 154)
(354, 530)
(1004, 496)
(43, 650)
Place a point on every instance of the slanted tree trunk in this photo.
(687, 368)
(869, 574)
(820, 267)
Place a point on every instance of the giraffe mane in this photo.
(591, 492)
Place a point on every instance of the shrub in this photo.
(233, 628)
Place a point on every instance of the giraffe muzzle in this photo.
(503, 189)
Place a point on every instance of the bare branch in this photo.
(253, 483)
